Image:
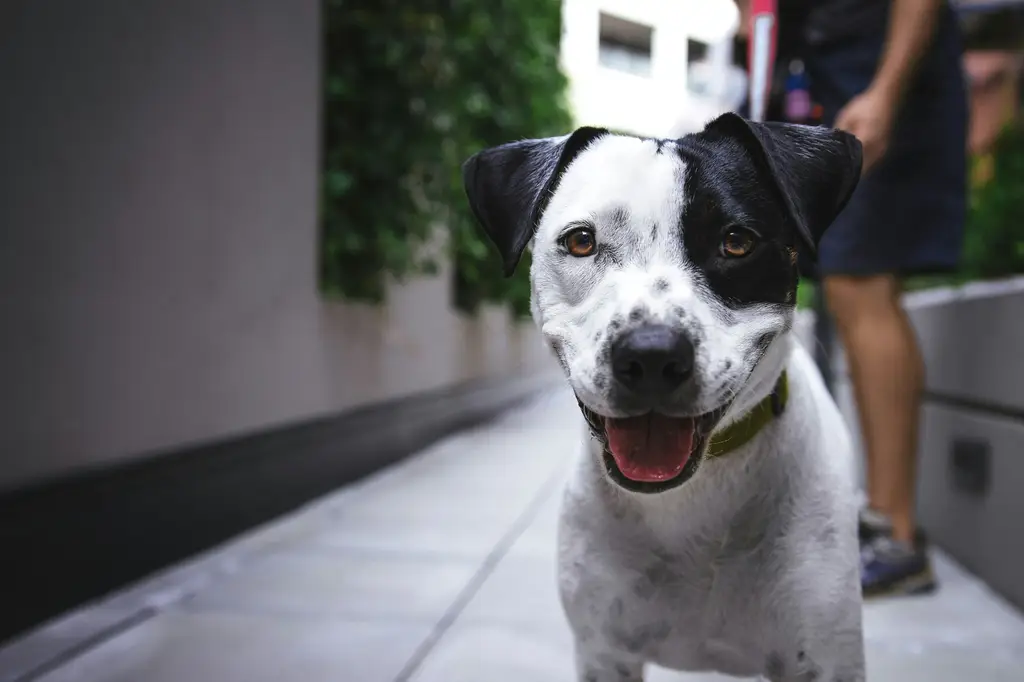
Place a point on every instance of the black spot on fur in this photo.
(643, 588)
(810, 672)
(607, 254)
(661, 285)
(774, 667)
(654, 576)
(604, 353)
(638, 640)
(659, 573)
(646, 635)
(808, 173)
(724, 198)
(619, 218)
(696, 333)
(636, 314)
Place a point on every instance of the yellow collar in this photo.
(744, 430)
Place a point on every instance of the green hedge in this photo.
(994, 244)
(411, 90)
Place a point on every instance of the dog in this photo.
(710, 521)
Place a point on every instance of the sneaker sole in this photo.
(920, 584)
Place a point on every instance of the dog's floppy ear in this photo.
(509, 186)
(815, 170)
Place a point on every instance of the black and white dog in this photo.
(710, 522)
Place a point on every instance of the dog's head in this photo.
(663, 270)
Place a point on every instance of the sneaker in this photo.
(872, 524)
(889, 567)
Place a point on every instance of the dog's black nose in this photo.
(653, 360)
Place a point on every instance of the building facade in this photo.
(650, 67)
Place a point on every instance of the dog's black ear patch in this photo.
(815, 170)
(509, 186)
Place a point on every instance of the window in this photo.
(625, 45)
(696, 51)
(739, 52)
(698, 69)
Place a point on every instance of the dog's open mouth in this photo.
(653, 452)
(652, 448)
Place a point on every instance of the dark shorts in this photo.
(907, 214)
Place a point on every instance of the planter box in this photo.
(969, 492)
(972, 339)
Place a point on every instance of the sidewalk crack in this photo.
(490, 563)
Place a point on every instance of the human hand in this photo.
(743, 29)
(869, 117)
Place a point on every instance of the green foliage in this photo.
(994, 242)
(993, 30)
(805, 294)
(413, 89)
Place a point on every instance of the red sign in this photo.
(761, 49)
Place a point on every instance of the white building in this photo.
(650, 67)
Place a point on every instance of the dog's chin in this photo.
(680, 450)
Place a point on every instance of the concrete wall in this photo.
(158, 240)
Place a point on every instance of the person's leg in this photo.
(907, 215)
(887, 373)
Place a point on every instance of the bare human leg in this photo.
(887, 373)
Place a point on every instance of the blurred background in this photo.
(238, 272)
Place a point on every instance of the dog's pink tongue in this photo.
(650, 448)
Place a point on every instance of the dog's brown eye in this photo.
(738, 243)
(581, 242)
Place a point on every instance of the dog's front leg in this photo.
(606, 666)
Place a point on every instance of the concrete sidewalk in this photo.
(440, 569)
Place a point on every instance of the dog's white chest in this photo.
(685, 605)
